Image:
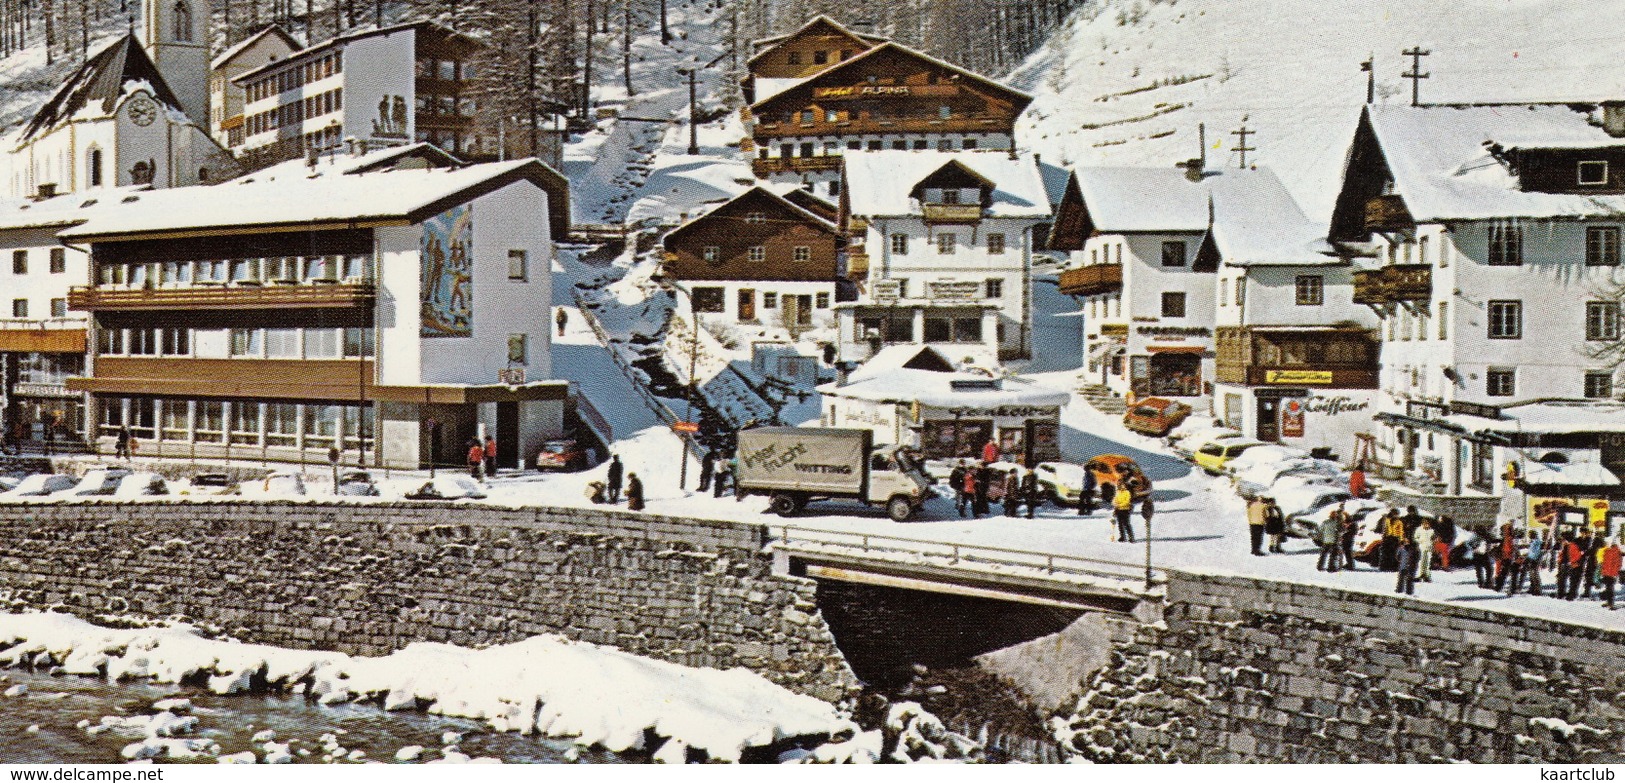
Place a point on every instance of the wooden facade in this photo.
(756, 219)
(818, 45)
(889, 89)
(1330, 358)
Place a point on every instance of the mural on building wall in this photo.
(448, 273)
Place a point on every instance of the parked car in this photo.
(1215, 455)
(1259, 479)
(98, 481)
(1061, 482)
(447, 488)
(41, 484)
(1109, 467)
(1264, 454)
(1186, 445)
(283, 484)
(209, 484)
(357, 483)
(562, 454)
(138, 485)
(1298, 504)
(1155, 416)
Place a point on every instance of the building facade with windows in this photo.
(940, 247)
(225, 95)
(758, 259)
(1489, 237)
(382, 87)
(780, 61)
(390, 312)
(883, 97)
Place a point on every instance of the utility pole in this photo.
(665, 31)
(626, 45)
(693, 122)
(1416, 53)
(1370, 68)
(1241, 144)
(586, 66)
(530, 77)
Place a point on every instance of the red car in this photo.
(1155, 416)
(562, 454)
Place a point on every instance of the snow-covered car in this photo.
(140, 485)
(1216, 456)
(1260, 479)
(1061, 482)
(1300, 502)
(447, 488)
(209, 484)
(1262, 455)
(357, 484)
(9, 481)
(279, 484)
(40, 485)
(1185, 445)
(1363, 512)
(98, 481)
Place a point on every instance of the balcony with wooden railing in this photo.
(1388, 213)
(951, 213)
(1395, 283)
(269, 296)
(1092, 280)
(1335, 358)
(763, 167)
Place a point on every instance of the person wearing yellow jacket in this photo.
(1123, 507)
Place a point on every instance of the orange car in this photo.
(1155, 416)
(1112, 468)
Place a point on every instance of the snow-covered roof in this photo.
(1021, 99)
(271, 30)
(936, 389)
(1125, 200)
(1257, 223)
(359, 33)
(768, 87)
(766, 44)
(813, 220)
(1443, 167)
(99, 84)
(65, 210)
(325, 198)
(880, 182)
(1548, 417)
(898, 357)
(1579, 474)
(420, 154)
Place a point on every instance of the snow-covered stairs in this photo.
(1103, 399)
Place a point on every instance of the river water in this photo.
(41, 726)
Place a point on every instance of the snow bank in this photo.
(545, 684)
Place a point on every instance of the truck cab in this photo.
(895, 473)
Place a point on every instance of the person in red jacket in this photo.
(1570, 567)
(990, 452)
(1608, 565)
(476, 458)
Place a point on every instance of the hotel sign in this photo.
(954, 291)
(1298, 377)
(862, 91)
(887, 291)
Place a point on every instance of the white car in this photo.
(1062, 482)
(1365, 513)
(1299, 503)
(1186, 445)
(447, 488)
(98, 481)
(41, 484)
(140, 485)
(1263, 455)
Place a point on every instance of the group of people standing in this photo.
(482, 458)
(973, 489)
(1582, 560)
(615, 477)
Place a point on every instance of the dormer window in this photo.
(950, 196)
(1593, 172)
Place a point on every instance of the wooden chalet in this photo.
(820, 43)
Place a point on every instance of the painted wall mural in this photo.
(447, 264)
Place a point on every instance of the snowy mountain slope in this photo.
(1126, 82)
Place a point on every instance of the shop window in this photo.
(208, 421)
(143, 417)
(177, 420)
(281, 424)
(245, 423)
(967, 330)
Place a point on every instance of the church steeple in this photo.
(176, 35)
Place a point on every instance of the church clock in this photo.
(143, 111)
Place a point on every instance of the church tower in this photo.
(176, 36)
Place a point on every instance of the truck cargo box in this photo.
(813, 461)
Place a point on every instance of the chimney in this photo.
(46, 190)
(1613, 118)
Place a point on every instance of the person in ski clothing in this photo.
(1357, 484)
(490, 455)
(1086, 495)
(1505, 556)
(1029, 491)
(634, 492)
(1329, 534)
(956, 482)
(562, 319)
(1590, 543)
(1445, 529)
(1274, 525)
(1608, 566)
(121, 445)
(476, 458)
(1484, 562)
(616, 472)
(724, 475)
(1123, 508)
(967, 487)
(984, 486)
(1406, 557)
(708, 468)
(1570, 568)
(1255, 524)
(1425, 538)
(1393, 532)
(990, 452)
(1012, 493)
(1347, 530)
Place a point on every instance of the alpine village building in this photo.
(1491, 237)
(759, 258)
(823, 91)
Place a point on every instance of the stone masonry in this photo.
(369, 579)
(1247, 670)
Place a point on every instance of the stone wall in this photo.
(369, 579)
(1245, 670)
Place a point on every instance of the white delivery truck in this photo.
(795, 465)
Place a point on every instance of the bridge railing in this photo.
(1049, 563)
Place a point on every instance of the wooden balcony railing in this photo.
(1387, 213)
(1397, 283)
(763, 167)
(951, 213)
(1091, 280)
(268, 296)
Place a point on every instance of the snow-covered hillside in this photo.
(1126, 82)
